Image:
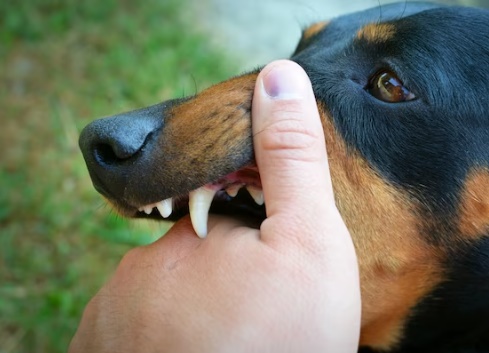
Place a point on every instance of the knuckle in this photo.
(132, 257)
(132, 264)
(289, 134)
(92, 306)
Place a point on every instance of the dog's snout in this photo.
(112, 146)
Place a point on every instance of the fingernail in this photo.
(285, 81)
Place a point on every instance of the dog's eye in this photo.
(386, 86)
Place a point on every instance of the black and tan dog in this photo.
(405, 108)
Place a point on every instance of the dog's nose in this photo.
(111, 141)
(112, 146)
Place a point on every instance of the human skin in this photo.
(290, 286)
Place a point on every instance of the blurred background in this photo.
(64, 63)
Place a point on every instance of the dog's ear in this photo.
(308, 35)
(313, 29)
(474, 205)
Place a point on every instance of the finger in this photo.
(291, 157)
(289, 145)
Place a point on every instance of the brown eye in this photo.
(387, 87)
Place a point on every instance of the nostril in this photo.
(105, 154)
(116, 148)
(121, 138)
(115, 151)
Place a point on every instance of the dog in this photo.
(402, 91)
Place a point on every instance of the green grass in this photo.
(62, 64)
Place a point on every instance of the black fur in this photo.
(442, 55)
(427, 146)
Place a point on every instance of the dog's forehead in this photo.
(351, 23)
(411, 18)
(429, 46)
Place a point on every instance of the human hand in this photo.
(291, 286)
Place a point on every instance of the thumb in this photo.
(293, 164)
(289, 146)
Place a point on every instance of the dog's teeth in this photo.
(233, 190)
(165, 207)
(256, 194)
(148, 209)
(199, 203)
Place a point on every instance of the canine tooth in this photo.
(199, 203)
(148, 209)
(165, 207)
(256, 194)
(233, 190)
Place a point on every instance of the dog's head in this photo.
(402, 92)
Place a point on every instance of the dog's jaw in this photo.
(200, 200)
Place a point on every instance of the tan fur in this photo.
(377, 33)
(311, 31)
(209, 127)
(397, 266)
(474, 205)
